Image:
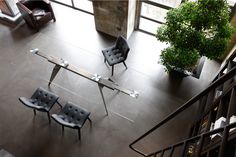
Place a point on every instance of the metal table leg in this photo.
(54, 73)
(103, 99)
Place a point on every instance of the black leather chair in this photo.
(72, 116)
(117, 53)
(42, 100)
(36, 12)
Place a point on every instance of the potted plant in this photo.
(193, 30)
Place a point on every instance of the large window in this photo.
(170, 3)
(153, 13)
(231, 3)
(82, 5)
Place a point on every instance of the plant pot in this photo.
(176, 73)
(198, 69)
(180, 73)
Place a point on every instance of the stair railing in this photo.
(185, 106)
(224, 66)
(224, 130)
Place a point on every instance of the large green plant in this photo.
(193, 30)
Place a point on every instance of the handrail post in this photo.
(224, 141)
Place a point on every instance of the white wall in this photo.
(131, 17)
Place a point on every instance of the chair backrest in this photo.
(123, 46)
(74, 114)
(26, 14)
(44, 97)
(32, 4)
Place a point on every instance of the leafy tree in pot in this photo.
(193, 30)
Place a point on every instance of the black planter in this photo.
(198, 70)
(179, 73)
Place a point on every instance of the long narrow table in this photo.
(102, 82)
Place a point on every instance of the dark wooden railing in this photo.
(229, 75)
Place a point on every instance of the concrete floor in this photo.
(74, 38)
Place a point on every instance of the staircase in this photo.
(213, 133)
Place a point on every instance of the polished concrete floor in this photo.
(74, 38)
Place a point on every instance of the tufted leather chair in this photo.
(72, 116)
(117, 53)
(36, 12)
(42, 100)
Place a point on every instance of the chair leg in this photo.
(125, 65)
(34, 111)
(59, 104)
(79, 133)
(105, 60)
(49, 119)
(62, 128)
(112, 71)
(37, 28)
(89, 120)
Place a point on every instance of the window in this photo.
(170, 3)
(148, 25)
(82, 5)
(153, 13)
(231, 2)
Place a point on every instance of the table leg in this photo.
(54, 73)
(103, 99)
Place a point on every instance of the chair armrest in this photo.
(25, 11)
(47, 5)
(23, 8)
